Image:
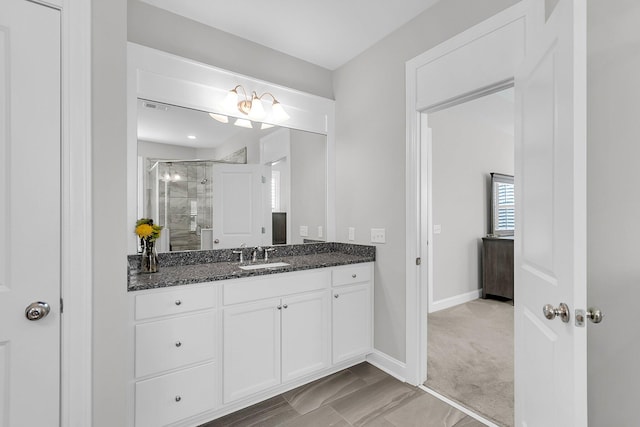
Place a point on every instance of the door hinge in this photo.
(264, 231)
(418, 261)
(264, 179)
(61, 305)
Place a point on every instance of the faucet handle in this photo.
(266, 253)
(241, 255)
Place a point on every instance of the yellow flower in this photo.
(144, 230)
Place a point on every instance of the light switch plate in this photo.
(378, 235)
(352, 234)
(319, 231)
(304, 231)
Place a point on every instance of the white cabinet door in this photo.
(305, 334)
(251, 348)
(30, 212)
(351, 321)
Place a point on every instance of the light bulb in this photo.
(257, 109)
(219, 117)
(243, 123)
(230, 102)
(279, 115)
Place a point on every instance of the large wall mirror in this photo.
(217, 185)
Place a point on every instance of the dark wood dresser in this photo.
(497, 267)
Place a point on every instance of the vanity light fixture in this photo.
(243, 123)
(219, 117)
(252, 106)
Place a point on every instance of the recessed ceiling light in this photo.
(191, 136)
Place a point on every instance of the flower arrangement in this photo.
(148, 233)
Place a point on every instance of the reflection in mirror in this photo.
(215, 185)
(502, 205)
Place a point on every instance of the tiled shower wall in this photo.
(185, 204)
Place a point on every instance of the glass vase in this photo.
(149, 262)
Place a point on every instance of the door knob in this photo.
(593, 314)
(562, 311)
(37, 310)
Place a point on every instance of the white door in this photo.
(251, 345)
(305, 334)
(29, 212)
(550, 250)
(240, 194)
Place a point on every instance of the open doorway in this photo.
(470, 322)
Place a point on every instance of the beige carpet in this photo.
(470, 357)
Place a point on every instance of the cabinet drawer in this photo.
(351, 274)
(177, 301)
(172, 343)
(169, 398)
(275, 285)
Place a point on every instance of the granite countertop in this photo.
(183, 268)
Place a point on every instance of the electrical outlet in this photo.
(378, 235)
(352, 234)
(319, 231)
(304, 231)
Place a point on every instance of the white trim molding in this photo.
(474, 61)
(76, 292)
(453, 301)
(388, 364)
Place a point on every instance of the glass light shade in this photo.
(266, 126)
(219, 117)
(257, 109)
(279, 115)
(243, 123)
(230, 102)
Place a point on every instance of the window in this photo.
(503, 205)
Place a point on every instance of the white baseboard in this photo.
(453, 301)
(388, 364)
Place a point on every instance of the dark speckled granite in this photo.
(181, 268)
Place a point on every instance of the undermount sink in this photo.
(267, 265)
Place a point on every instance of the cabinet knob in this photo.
(178, 344)
(336, 296)
(354, 275)
(178, 302)
(178, 398)
(285, 306)
(279, 307)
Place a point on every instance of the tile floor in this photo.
(361, 395)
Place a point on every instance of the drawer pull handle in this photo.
(178, 302)
(178, 398)
(354, 275)
(336, 296)
(178, 344)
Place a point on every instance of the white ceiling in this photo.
(327, 33)
(169, 124)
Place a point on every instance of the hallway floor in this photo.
(358, 396)
(470, 357)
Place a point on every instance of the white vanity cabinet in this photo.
(175, 348)
(352, 303)
(275, 340)
(204, 350)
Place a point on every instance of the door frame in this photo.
(76, 403)
(496, 47)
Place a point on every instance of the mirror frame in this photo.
(156, 75)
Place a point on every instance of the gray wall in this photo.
(465, 151)
(370, 150)
(308, 184)
(159, 29)
(614, 210)
(110, 230)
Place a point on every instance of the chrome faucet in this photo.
(240, 252)
(266, 253)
